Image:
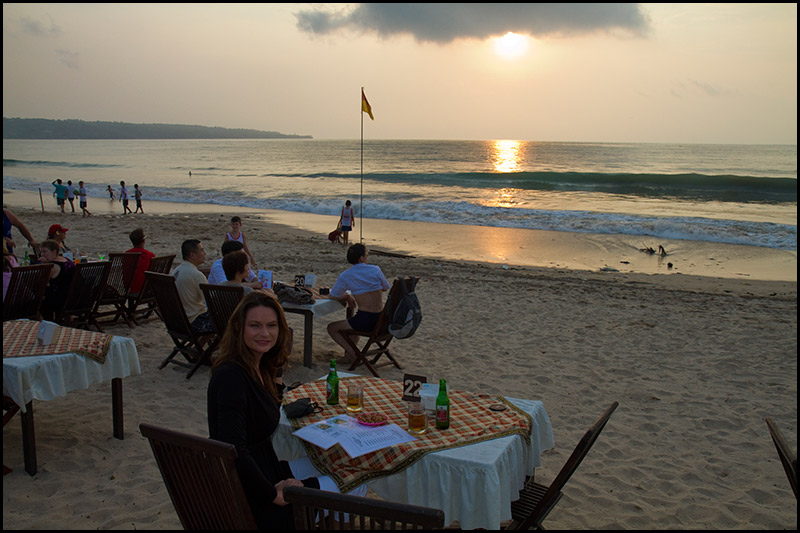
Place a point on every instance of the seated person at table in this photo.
(244, 410)
(58, 233)
(187, 280)
(217, 274)
(366, 284)
(137, 238)
(60, 277)
(237, 267)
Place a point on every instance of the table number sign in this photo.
(300, 281)
(411, 386)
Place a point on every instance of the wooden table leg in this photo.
(29, 439)
(116, 408)
(308, 336)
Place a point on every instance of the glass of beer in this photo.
(355, 397)
(416, 418)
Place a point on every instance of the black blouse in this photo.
(243, 413)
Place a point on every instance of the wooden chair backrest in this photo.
(25, 291)
(84, 291)
(553, 493)
(201, 478)
(221, 300)
(169, 304)
(365, 513)
(123, 267)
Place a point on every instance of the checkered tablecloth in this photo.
(471, 421)
(20, 339)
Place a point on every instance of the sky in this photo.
(679, 73)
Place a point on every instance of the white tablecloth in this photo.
(320, 307)
(47, 377)
(473, 484)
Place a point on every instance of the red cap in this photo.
(55, 228)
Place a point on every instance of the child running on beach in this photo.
(236, 234)
(110, 192)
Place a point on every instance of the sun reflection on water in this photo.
(506, 157)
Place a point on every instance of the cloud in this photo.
(34, 27)
(70, 59)
(443, 23)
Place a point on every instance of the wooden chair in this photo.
(787, 456)
(536, 501)
(201, 479)
(221, 300)
(379, 337)
(25, 291)
(115, 292)
(197, 349)
(146, 300)
(82, 295)
(365, 513)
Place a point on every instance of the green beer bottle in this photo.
(333, 385)
(442, 407)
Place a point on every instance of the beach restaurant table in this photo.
(320, 307)
(472, 471)
(73, 360)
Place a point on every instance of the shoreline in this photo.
(501, 247)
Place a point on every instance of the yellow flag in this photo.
(365, 107)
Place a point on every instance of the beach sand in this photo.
(695, 361)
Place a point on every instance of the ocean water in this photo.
(737, 194)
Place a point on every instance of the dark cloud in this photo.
(34, 27)
(443, 23)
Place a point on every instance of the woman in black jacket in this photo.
(244, 409)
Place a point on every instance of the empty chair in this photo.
(196, 348)
(201, 479)
(142, 305)
(377, 344)
(536, 501)
(115, 292)
(82, 295)
(25, 291)
(787, 456)
(364, 513)
(221, 300)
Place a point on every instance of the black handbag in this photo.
(301, 407)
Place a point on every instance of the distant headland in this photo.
(40, 128)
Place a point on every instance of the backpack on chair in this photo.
(407, 314)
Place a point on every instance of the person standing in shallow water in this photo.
(123, 197)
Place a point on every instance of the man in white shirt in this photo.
(366, 284)
(217, 274)
(188, 279)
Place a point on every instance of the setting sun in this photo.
(510, 45)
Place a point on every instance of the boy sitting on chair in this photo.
(365, 284)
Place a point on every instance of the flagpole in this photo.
(361, 201)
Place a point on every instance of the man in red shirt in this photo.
(137, 239)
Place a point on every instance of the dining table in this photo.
(322, 306)
(471, 471)
(73, 359)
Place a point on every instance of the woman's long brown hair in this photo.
(233, 348)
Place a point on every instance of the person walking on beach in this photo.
(347, 221)
(123, 197)
(137, 194)
(110, 193)
(82, 194)
(60, 193)
(71, 194)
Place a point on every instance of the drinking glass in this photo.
(416, 418)
(355, 397)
